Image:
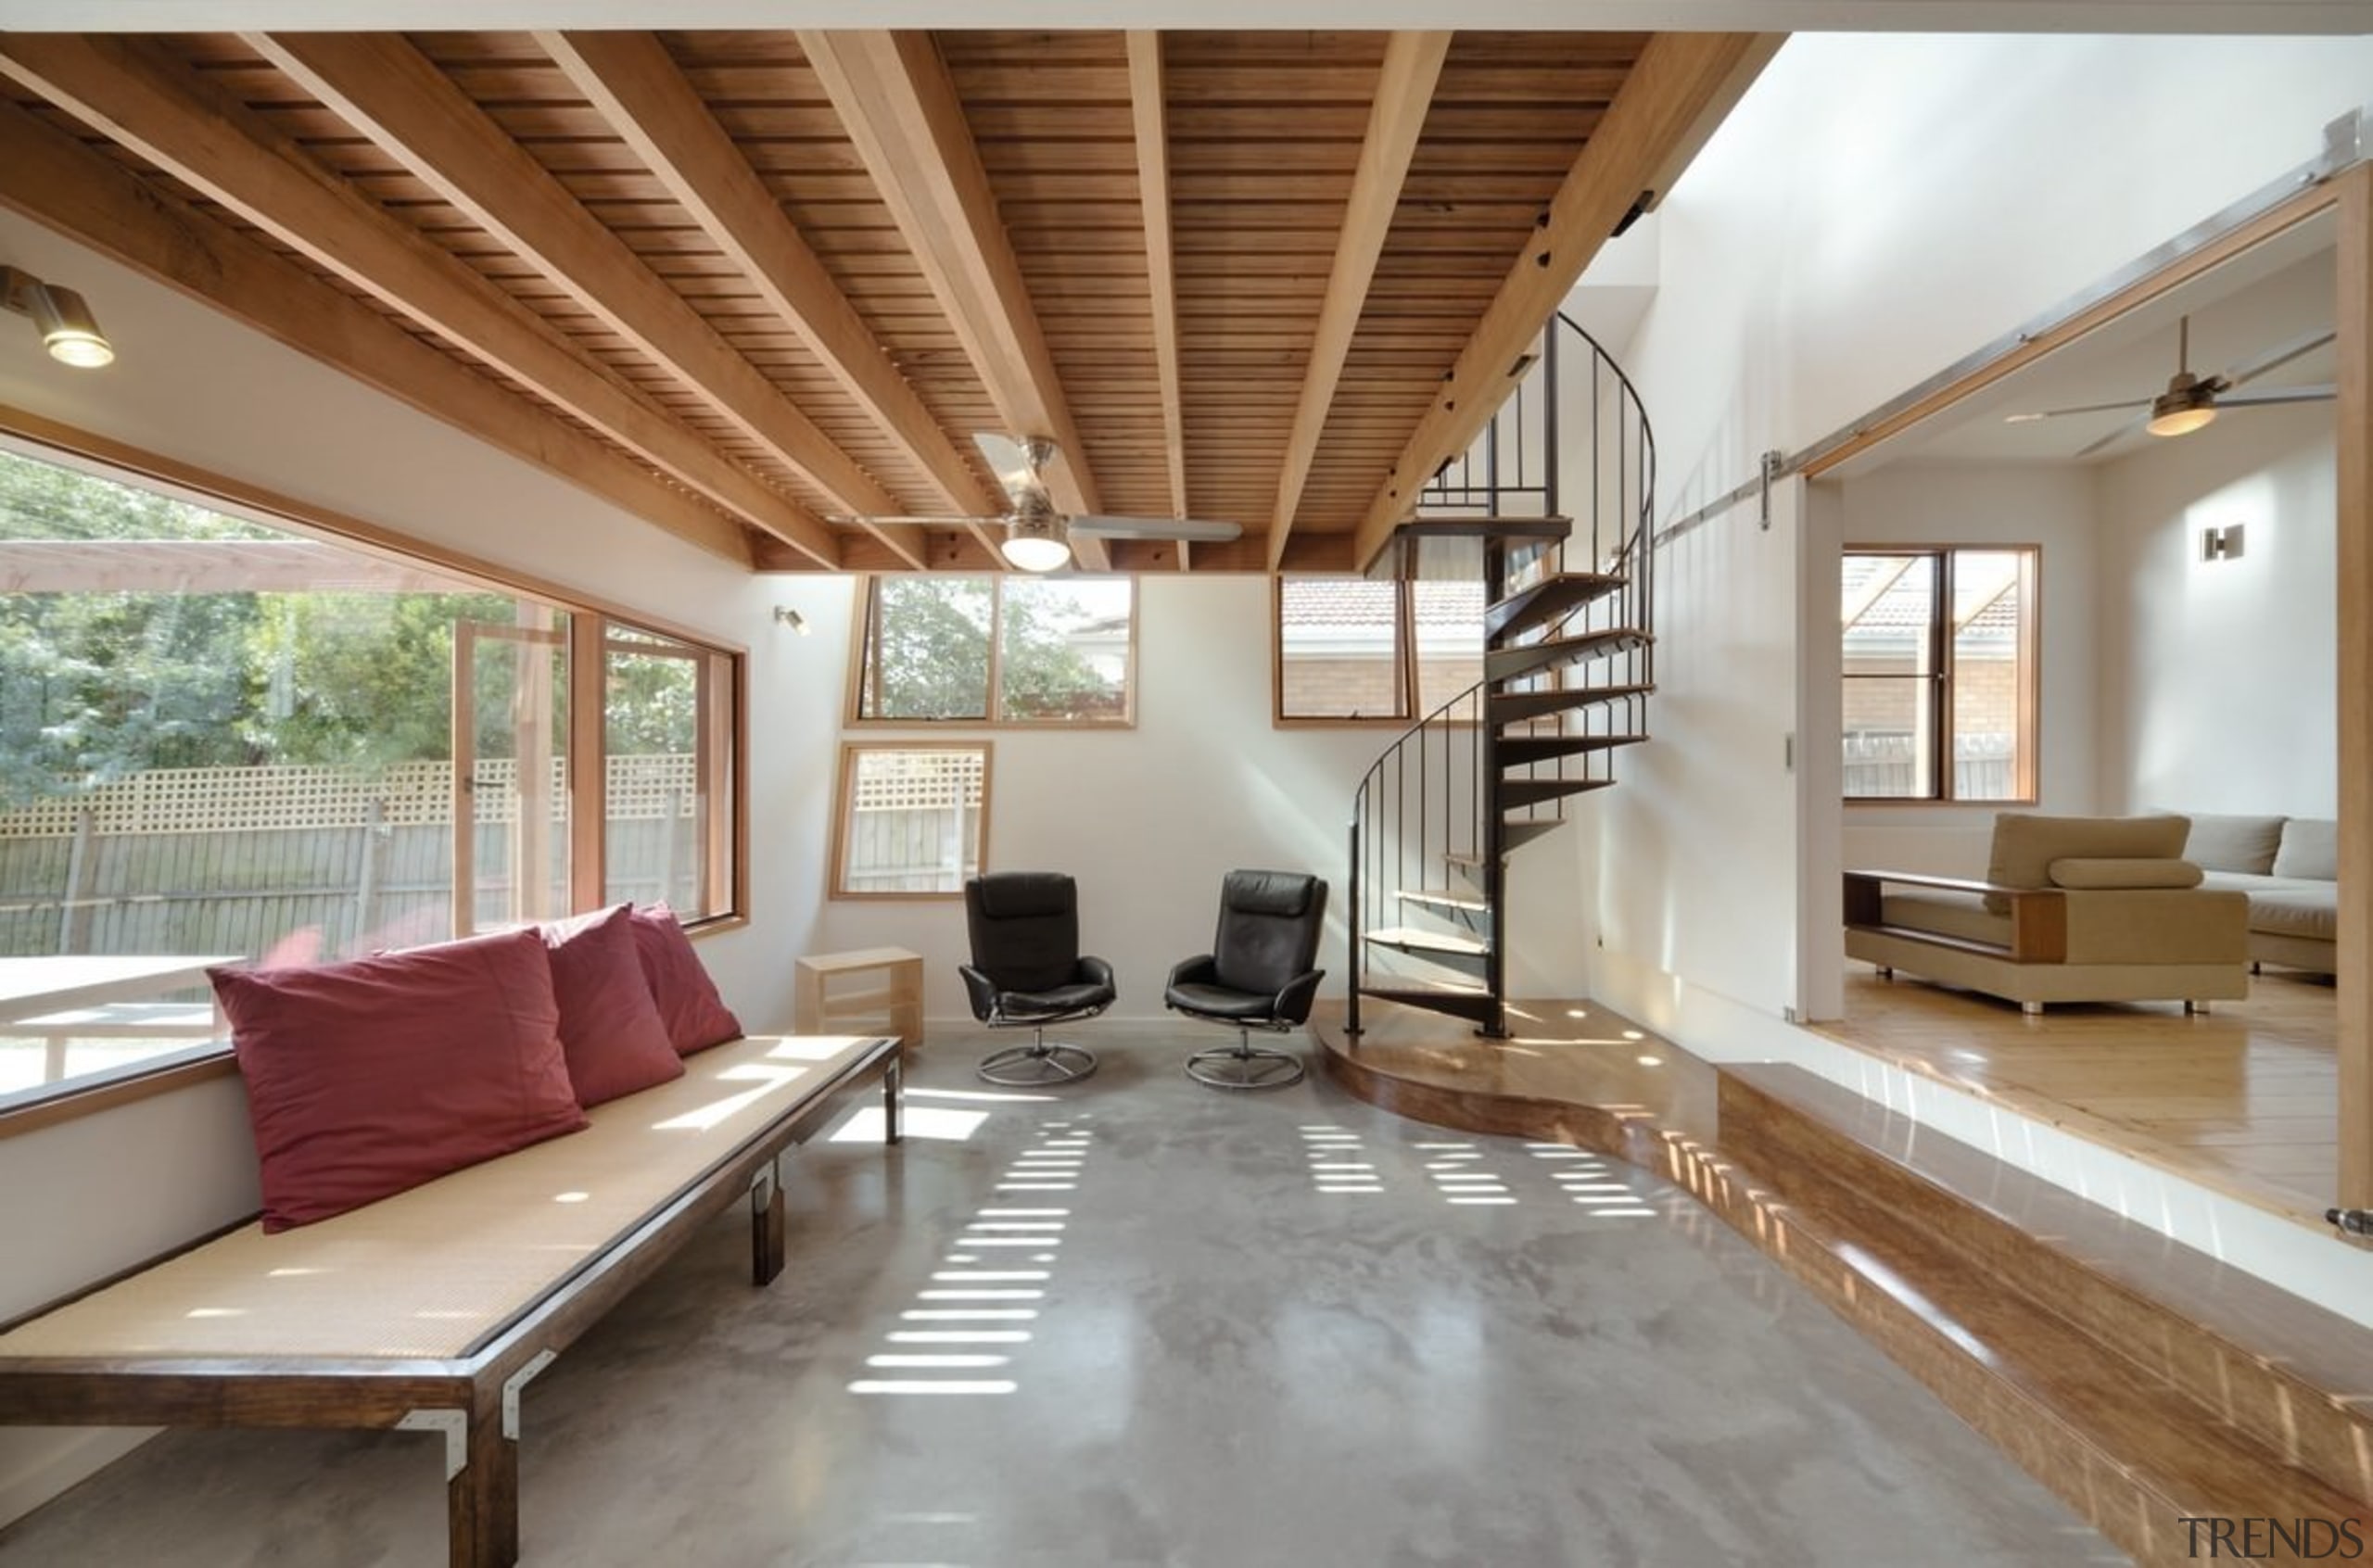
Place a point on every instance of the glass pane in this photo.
(1450, 639)
(1888, 721)
(912, 819)
(1339, 649)
(1888, 613)
(654, 836)
(1064, 647)
(223, 739)
(1989, 688)
(927, 649)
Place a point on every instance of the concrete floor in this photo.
(1272, 1329)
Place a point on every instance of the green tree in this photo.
(930, 654)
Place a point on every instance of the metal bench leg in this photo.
(894, 1096)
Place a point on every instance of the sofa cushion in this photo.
(2310, 849)
(610, 1027)
(2026, 843)
(370, 1077)
(2100, 872)
(2311, 913)
(2234, 843)
(696, 1017)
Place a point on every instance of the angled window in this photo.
(1940, 674)
(912, 819)
(998, 649)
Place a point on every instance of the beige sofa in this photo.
(2287, 867)
(2073, 909)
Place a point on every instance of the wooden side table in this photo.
(895, 996)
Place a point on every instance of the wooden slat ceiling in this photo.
(1263, 136)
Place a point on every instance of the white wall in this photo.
(2051, 507)
(1875, 210)
(2218, 677)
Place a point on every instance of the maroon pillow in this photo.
(610, 1029)
(695, 1015)
(369, 1077)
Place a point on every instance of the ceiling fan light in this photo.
(2180, 411)
(1037, 543)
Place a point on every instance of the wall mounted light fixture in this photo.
(785, 615)
(2221, 544)
(62, 317)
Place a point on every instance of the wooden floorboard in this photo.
(2242, 1101)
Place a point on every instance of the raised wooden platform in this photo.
(2145, 1383)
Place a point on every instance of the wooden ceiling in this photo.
(749, 284)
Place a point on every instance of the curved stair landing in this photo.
(2144, 1382)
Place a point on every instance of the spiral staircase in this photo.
(1551, 508)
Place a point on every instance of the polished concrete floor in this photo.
(1140, 1321)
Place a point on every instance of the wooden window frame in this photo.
(2026, 772)
(1405, 662)
(862, 643)
(727, 668)
(844, 799)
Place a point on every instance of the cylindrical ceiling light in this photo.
(63, 317)
(1037, 538)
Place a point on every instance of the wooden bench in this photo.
(430, 1310)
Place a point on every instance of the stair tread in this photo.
(1546, 599)
(1416, 941)
(1517, 792)
(1448, 897)
(1521, 751)
(1528, 658)
(2144, 1425)
(1411, 987)
(2318, 1346)
(1469, 1002)
(1514, 707)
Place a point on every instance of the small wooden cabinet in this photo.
(831, 992)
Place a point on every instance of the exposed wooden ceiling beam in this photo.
(1682, 85)
(900, 107)
(1404, 91)
(391, 93)
(143, 99)
(635, 85)
(91, 198)
(1149, 113)
(207, 566)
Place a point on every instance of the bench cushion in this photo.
(438, 1272)
(695, 1015)
(2245, 844)
(610, 1029)
(2310, 849)
(371, 1076)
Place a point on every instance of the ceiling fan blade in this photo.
(2275, 358)
(2267, 396)
(2081, 408)
(1009, 461)
(942, 520)
(2119, 434)
(1156, 529)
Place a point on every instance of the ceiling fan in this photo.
(1037, 533)
(2191, 401)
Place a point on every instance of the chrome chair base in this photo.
(1037, 1065)
(1245, 1066)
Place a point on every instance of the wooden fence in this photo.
(307, 861)
(1888, 767)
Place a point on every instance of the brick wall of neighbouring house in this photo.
(1988, 693)
(1338, 688)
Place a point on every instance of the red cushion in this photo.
(369, 1077)
(695, 1015)
(610, 1029)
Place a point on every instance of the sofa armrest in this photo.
(2158, 926)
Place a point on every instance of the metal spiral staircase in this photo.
(1568, 663)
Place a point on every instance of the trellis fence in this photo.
(308, 861)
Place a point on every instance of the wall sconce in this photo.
(2221, 544)
(62, 317)
(786, 616)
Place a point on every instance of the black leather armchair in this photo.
(1027, 972)
(1258, 975)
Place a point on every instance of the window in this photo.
(1350, 649)
(223, 738)
(1940, 674)
(998, 649)
(912, 820)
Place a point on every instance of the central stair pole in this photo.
(1495, 871)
